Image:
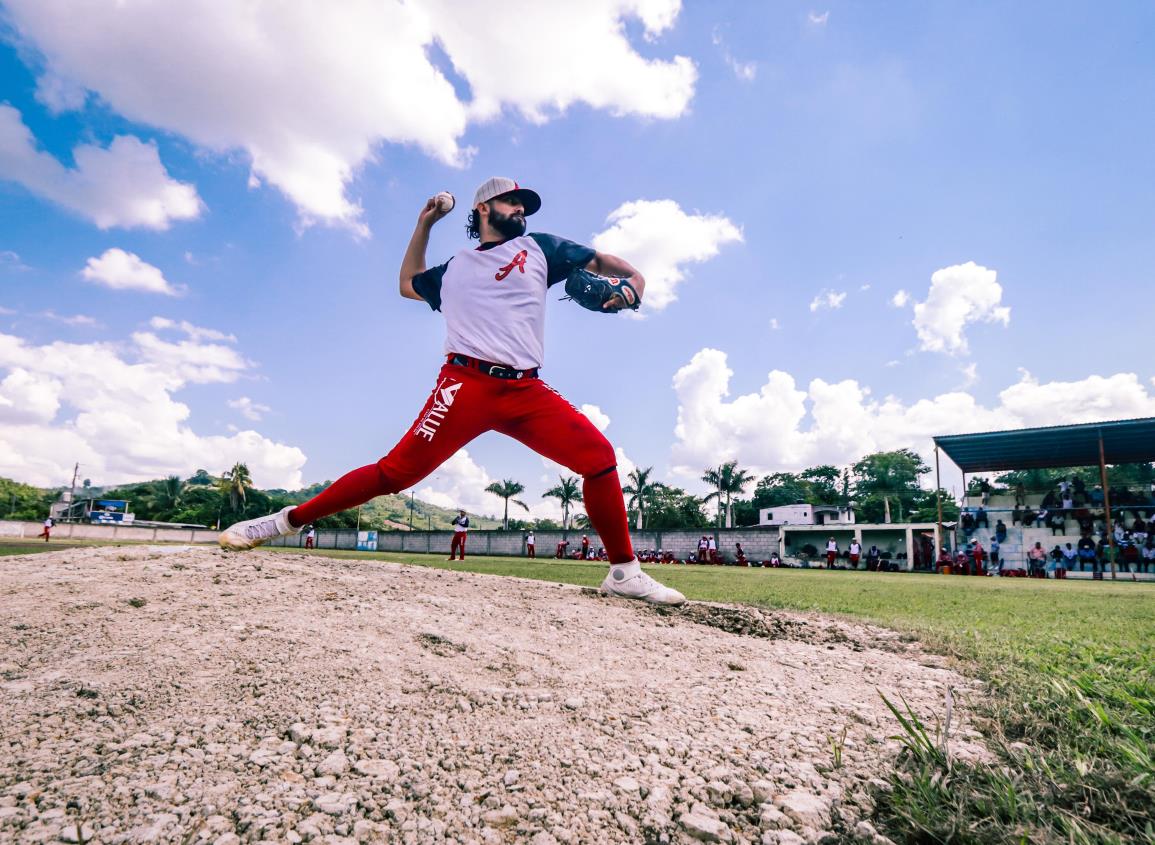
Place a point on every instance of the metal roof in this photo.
(1124, 442)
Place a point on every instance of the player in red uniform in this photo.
(493, 300)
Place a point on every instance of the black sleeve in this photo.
(428, 284)
(562, 256)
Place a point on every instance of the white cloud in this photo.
(73, 320)
(784, 427)
(864, 287)
(309, 91)
(959, 295)
(193, 332)
(828, 299)
(123, 184)
(10, 260)
(970, 374)
(460, 482)
(122, 270)
(659, 238)
(112, 408)
(818, 19)
(597, 416)
(774, 323)
(60, 95)
(900, 299)
(249, 409)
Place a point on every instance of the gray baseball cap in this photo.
(497, 186)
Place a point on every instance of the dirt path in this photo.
(184, 695)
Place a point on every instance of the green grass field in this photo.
(1071, 673)
(1070, 667)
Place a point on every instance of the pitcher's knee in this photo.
(394, 479)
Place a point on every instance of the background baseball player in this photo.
(460, 531)
(493, 299)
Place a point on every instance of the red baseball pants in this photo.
(466, 403)
(458, 544)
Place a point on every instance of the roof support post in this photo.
(1106, 505)
(938, 504)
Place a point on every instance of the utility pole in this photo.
(411, 510)
(72, 491)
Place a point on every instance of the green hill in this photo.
(198, 500)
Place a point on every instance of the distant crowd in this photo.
(1131, 536)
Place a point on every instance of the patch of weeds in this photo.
(137, 602)
(85, 692)
(439, 645)
(179, 566)
(837, 743)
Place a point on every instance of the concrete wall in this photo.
(757, 542)
(109, 533)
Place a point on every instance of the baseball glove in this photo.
(601, 293)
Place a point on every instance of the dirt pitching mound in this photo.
(186, 695)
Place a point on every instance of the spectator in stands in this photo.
(1057, 523)
(1130, 556)
(1139, 530)
(968, 522)
(1001, 531)
(1120, 532)
(1049, 500)
(1056, 562)
(981, 518)
(1038, 559)
(1097, 496)
(1103, 553)
(1147, 556)
(1040, 518)
(1020, 495)
(1080, 485)
(1016, 515)
(984, 491)
(1069, 556)
(1086, 548)
(1068, 501)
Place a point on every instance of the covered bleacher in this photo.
(1099, 444)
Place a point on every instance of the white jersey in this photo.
(493, 296)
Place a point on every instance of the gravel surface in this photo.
(187, 695)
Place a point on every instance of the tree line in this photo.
(877, 483)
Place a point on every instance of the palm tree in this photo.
(507, 489)
(727, 480)
(235, 482)
(165, 497)
(567, 492)
(639, 490)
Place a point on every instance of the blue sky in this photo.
(862, 225)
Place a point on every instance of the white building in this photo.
(803, 514)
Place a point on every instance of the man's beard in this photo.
(508, 225)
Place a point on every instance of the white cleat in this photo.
(620, 583)
(253, 532)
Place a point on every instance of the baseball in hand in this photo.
(445, 202)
